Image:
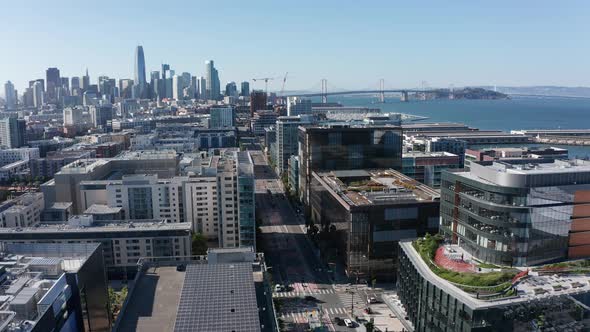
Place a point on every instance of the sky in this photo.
(353, 44)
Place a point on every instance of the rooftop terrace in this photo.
(361, 188)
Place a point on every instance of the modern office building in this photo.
(427, 167)
(365, 213)
(38, 94)
(231, 89)
(53, 84)
(287, 139)
(140, 79)
(257, 101)
(222, 117)
(345, 147)
(22, 211)
(518, 212)
(213, 87)
(245, 89)
(123, 242)
(13, 132)
(298, 106)
(54, 287)
(10, 96)
(546, 300)
(101, 114)
(294, 174)
(261, 120)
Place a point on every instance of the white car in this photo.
(279, 288)
(348, 322)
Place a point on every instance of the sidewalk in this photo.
(389, 300)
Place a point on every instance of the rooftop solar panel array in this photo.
(218, 298)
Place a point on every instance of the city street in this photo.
(311, 294)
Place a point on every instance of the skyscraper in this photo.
(12, 132)
(165, 68)
(10, 96)
(212, 80)
(202, 91)
(38, 97)
(85, 81)
(245, 89)
(53, 80)
(231, 89)
(140, 71)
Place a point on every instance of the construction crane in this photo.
(265, 79)
(284, 81)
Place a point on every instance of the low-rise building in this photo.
(23, 211)
(427, 167)
(53, 287)
(123, 242)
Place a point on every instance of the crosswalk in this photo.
(302, 294)
(293, 315)
(346, 299)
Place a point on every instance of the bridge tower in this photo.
(381, 92)
(324, 91)
(404, 96)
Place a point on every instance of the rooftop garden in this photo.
(498, 283)
(365, 185)
(571, 267)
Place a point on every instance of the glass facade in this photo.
(522, 225)
(347, 148)
(365, 238)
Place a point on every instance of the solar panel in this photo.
(218, 298)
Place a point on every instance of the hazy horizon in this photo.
(353, 45)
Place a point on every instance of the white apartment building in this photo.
(9, 156)
(216, 198)
(23, 211)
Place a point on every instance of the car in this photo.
(372, 300)
(348, 323)
(339, 321)
(181, 267)
(279, 288)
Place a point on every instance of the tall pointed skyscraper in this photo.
(140, 71)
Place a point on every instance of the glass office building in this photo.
(519, 212)
(346, 147)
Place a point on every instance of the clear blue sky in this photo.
(351, 43)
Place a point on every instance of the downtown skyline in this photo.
(353, 46)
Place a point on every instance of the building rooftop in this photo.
(207, 295)
(525, 172)
(218, 297)
(527, 286)
(422, 154)
(374, 187)
(31, 275)
(102, 209)
(77, 226)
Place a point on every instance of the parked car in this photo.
(348, 323)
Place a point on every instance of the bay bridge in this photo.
(324, 93)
